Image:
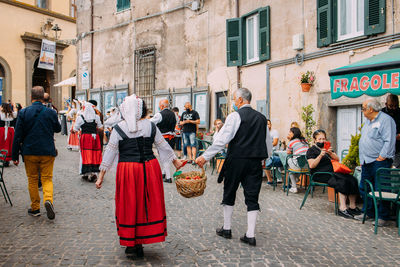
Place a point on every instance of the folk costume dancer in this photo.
(7, 115)
(139, 195)
(90, 146)
(73, 138)
(100, 132)
(249, 143)
(166, 121)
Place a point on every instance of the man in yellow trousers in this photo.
(34, 140)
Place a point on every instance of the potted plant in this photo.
(307, 80)
(307, 117)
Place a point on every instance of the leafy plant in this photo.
(307, 117)
(352, 159)
(308, 77)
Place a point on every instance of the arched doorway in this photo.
(42, 77)
(5, 83)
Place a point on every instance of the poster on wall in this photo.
(109, 100)
(180, 100)
(47, 52)
(200, 105)
(120, 96)
(262, 107)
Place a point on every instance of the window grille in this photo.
(145, 66)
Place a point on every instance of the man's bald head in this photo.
(163, 104)
(188, 106)
(37, 93)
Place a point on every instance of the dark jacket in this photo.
(33, 138)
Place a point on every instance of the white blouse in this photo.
(79, 122)
(71, 114)
(144, 129)
(3, 116)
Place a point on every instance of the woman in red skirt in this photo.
(89, 141)
(7, 115)
(73, 138)
(139, 197)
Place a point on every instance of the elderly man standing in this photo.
(34, 137)
(166, 121)
(249, 142)
(377, 149)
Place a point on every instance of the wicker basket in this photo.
(190, 187)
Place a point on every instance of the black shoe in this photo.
(85, 177)
(139, 251)
(50, 210)
(130, 251)
(93, 178)
(34, 213)
(224, 233)
(167, 180)
(163, 176)
(7, 164)
(345, 214)
(248, 240)
(355, 211)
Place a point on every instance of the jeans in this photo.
(189, 139)
(273, 161)
(44, 165)
(368, 171)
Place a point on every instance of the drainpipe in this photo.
(91, 43)
(239, 83)
(268, 93)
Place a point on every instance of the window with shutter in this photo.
(264, 34)
(350, 19)
(324, 22)
(375, 16)
(233, 42)
(123, 5)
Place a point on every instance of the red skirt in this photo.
(6, 143)
(90, 153)
(139, 209)
(73, 139)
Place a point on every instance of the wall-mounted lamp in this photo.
(56, 30)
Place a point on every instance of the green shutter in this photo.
(234, 42)
(324, 22)
(123, 4)
(375, 16)
(264, 34)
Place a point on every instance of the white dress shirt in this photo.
(228, 132)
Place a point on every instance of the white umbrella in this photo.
(68, 82)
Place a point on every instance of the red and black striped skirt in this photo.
(139, 204)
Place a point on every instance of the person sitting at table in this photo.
(319, 160)
(297, 146)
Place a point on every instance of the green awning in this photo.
(374, 76)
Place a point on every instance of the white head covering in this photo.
(114, 119)
(88, 112)
(131, 111)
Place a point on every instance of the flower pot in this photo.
(305, 87)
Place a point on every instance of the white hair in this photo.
(244, 93)
(373, 103)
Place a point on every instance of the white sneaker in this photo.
(293, 190)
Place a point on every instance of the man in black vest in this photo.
(247, 135)
(166, 121)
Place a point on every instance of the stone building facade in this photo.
(23, 25)
(171, 46)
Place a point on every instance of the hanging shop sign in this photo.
(47, 55)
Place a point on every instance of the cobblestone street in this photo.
(84, 231)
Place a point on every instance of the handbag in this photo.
(340, 167)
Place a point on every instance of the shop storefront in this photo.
(350, 85)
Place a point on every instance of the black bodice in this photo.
(89, 127)
(139, 149)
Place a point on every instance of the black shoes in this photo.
(85, 177)
(224, 233)
(167, 180)
(135, 251)
(248, 240)
(34, 213)
(345, 214)
(7, 164)
(50, 210)
(93, 178)
(355, 211)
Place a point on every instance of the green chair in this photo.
(215, 162)
(388, 189)
(3, 155)
(275, 174)
(201, 146)
(324, 185)
(304, 170)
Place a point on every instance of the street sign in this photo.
(85, 80)
(86, 57)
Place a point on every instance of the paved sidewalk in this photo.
(84, 231)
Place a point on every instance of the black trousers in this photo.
(170, 142)
(247, 172)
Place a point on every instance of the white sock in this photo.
(228, 210)
(293, 180)
(251, 222)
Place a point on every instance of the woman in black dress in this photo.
(319, 160)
